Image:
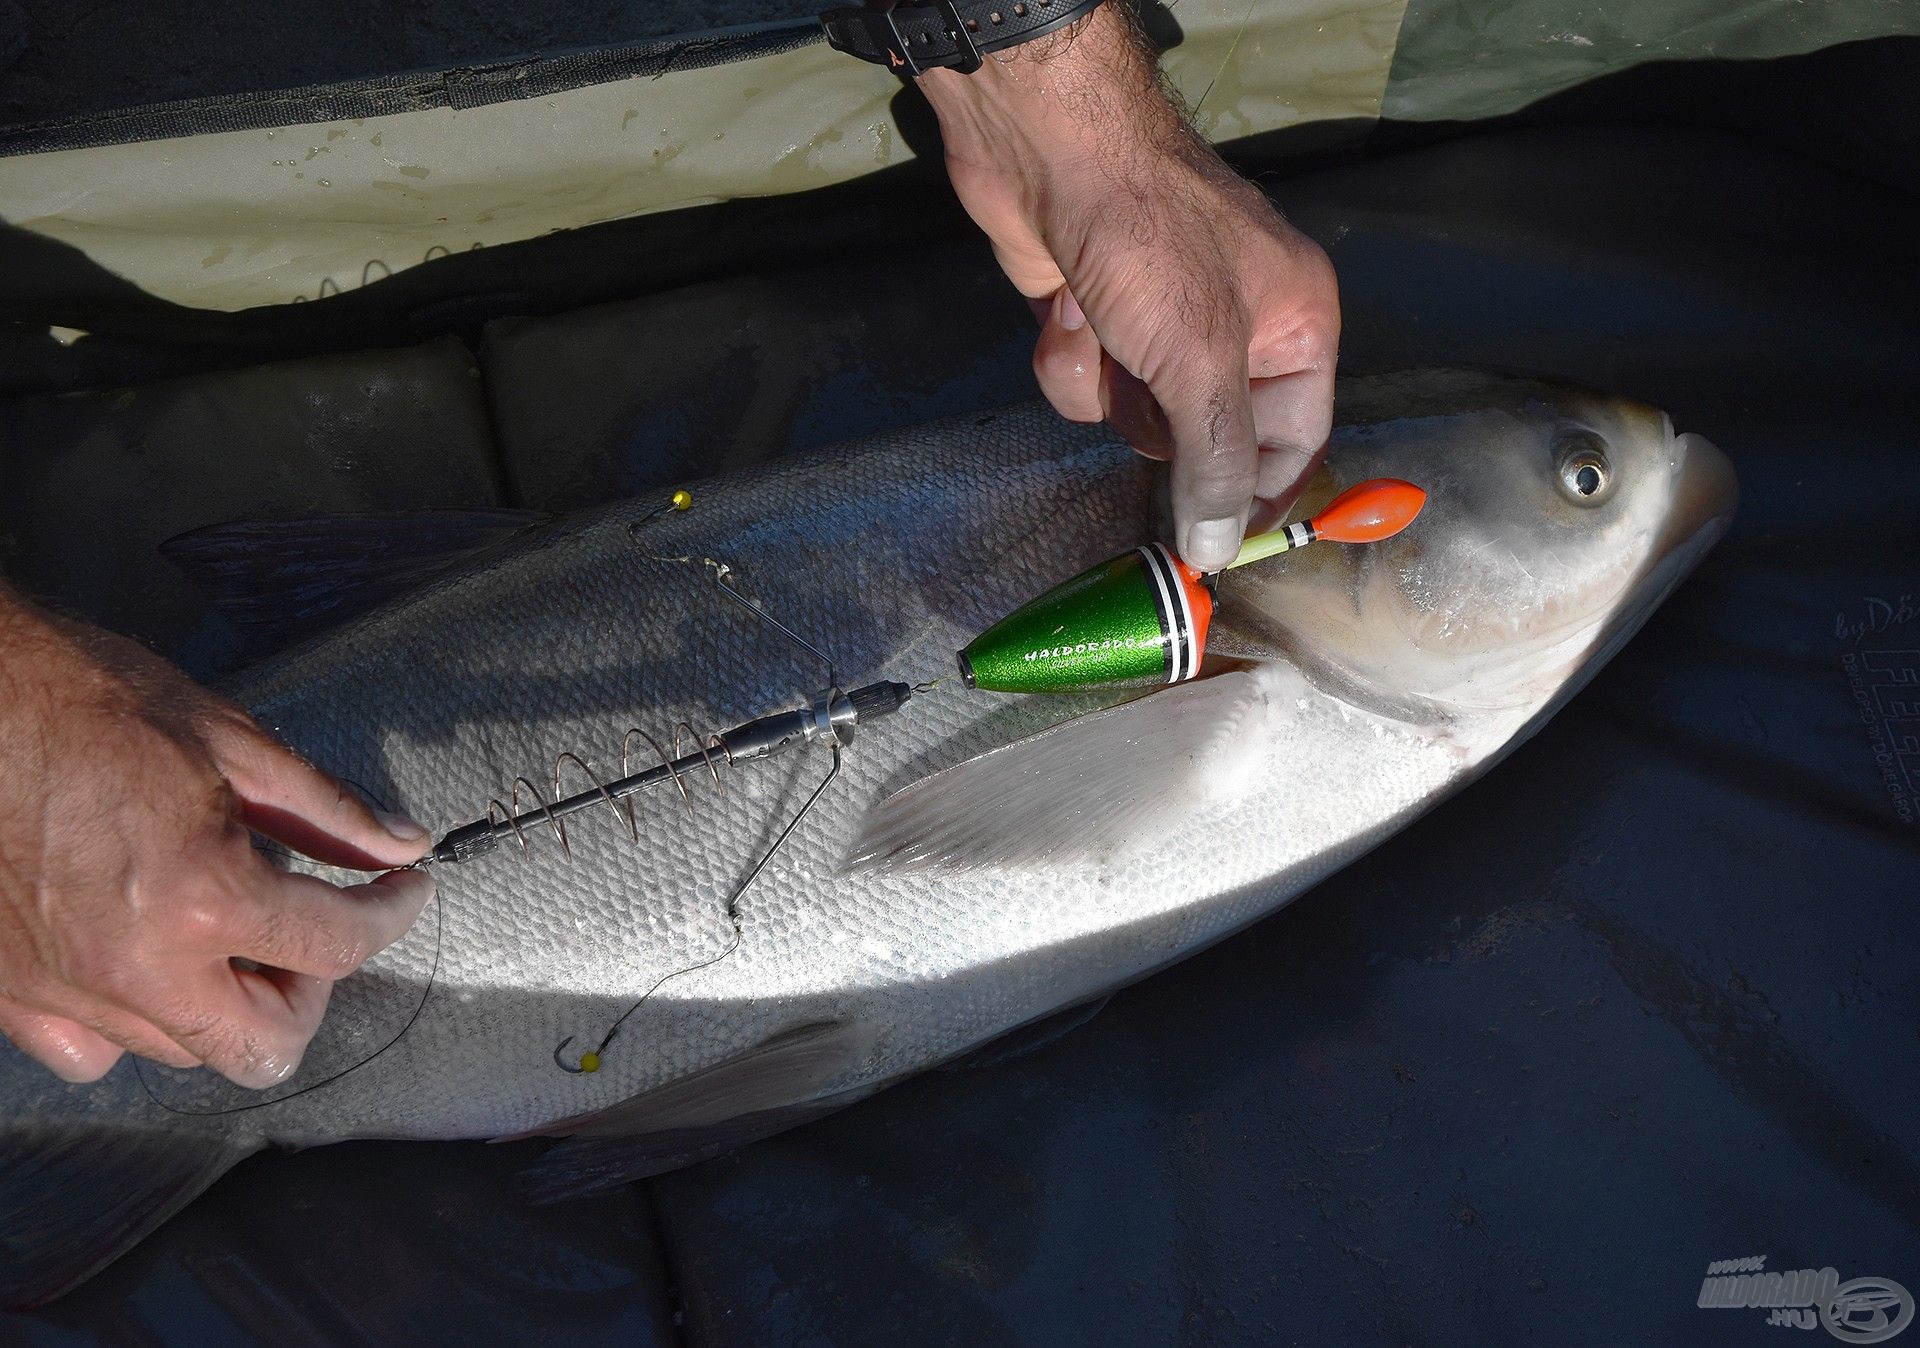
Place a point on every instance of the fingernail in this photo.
(1071, 316)
(400, 826)
(268, 1071)
(1211, 544)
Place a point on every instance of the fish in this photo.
(975, 864)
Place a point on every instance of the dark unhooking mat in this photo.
(1643, 999)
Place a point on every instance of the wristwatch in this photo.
(922, 34)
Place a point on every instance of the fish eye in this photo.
(1585, 475)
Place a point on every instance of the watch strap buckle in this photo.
(969, 60)
(872, 32)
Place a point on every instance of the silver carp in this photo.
(981, 862)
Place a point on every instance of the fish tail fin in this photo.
(72, 1201)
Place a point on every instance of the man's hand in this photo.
(1175, 301)
(135, 914)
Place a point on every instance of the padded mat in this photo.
(609, 401)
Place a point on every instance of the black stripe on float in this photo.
(1168, 636)
(1189, 647)
(1179, 617)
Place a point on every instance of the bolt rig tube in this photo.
(1142, 617)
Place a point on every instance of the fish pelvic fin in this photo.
(74, 1199)
(1079, 792)
(780, 1083)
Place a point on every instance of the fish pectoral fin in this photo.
(783, 1081)
(285, 580)
(74, 1200)
(1079, 792)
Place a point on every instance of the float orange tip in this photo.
(1369, 512)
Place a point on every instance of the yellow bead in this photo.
(682, 499)
(589, 1062)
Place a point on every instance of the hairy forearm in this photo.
(1079, 93)
(1078, 113)
(24, 625)
(13, 608)
(23, 632)
(33, 641)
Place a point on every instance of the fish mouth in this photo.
(1706, 494)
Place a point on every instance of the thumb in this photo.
(289, 800)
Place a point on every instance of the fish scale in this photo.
(1352, 718)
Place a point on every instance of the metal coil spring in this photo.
(712, 751)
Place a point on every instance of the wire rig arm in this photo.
(589, 1061)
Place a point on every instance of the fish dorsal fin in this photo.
(283, 580)
(1076, 793)
(778, 1083)
(75, 1198)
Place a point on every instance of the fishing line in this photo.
(719, 573)
(433, 974)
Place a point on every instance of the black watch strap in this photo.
(956, 33)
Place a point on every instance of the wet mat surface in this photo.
(377, 1243)
(1640, 1000)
